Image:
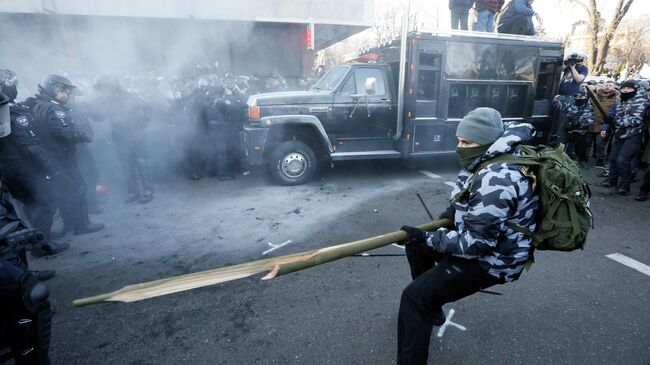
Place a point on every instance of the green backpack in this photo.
(564, 217)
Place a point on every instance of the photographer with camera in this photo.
(574, 74)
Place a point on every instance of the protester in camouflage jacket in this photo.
(580, 117)
(499, 193)
(481, 250)
(630, 125)
(630, 116)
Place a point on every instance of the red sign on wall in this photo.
(309, 37)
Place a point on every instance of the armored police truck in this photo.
(403, 101)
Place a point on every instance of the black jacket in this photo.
(22, 149)
(53, 124)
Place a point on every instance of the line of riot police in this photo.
(214, 112)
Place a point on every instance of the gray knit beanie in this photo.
(481, 125)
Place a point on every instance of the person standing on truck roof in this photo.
(517, 18)
(487, 10)
(459, 13)
(481, 250)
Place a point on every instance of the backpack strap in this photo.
(503, 158)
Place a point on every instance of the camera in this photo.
(573, 60)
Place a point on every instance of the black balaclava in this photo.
(631, 84)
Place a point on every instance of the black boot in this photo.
(51, 248)
(643, 196)
(85, 226)
(146, 197)
(623, 190)
(608, 184)
(43, 275)
(131, 197)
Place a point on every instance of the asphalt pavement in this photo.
(570, 308)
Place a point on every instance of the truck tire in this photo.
(292, 163)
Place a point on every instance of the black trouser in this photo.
(579, 142)
(434, 285)
(223, 152)
(459, 17)
(199, 151)
(88, 169)
(31, 189)
(70, 194)
(620, 159)
(134, 159)
(645, 186)
(558, 130)
(596, 145)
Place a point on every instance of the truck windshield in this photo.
(331, 79)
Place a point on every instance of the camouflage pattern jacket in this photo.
(500, 193)
(630, 116)
(579, 118)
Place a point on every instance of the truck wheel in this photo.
(292, 163)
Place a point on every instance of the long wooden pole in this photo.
(275, 267)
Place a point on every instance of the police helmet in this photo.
(8, 83)
(8, 78)
(52, 84)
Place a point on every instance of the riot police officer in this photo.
(25, 314)
(128, 128)
(197, 109)
(236, 108)
(60, 136)
(26, 167)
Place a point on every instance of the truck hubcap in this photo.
(294, 165)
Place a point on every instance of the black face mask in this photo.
(466, 155)
(580, 102)
(10, 91)
(628, 96)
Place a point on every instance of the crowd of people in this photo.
(611, 127)
(514, 17)
(46, 166)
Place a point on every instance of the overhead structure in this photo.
(237, 33)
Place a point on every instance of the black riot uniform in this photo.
(27, 169)
(218, 133)
(54, 125)
(129, 123)
(25, 314)
(198, 108)
(24, 308)
(236, 107)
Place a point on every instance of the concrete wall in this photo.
(347, 12)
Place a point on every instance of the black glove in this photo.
(413, 235)
(449, 213)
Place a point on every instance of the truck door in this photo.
(365, 102)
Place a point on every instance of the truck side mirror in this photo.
(371, 86)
